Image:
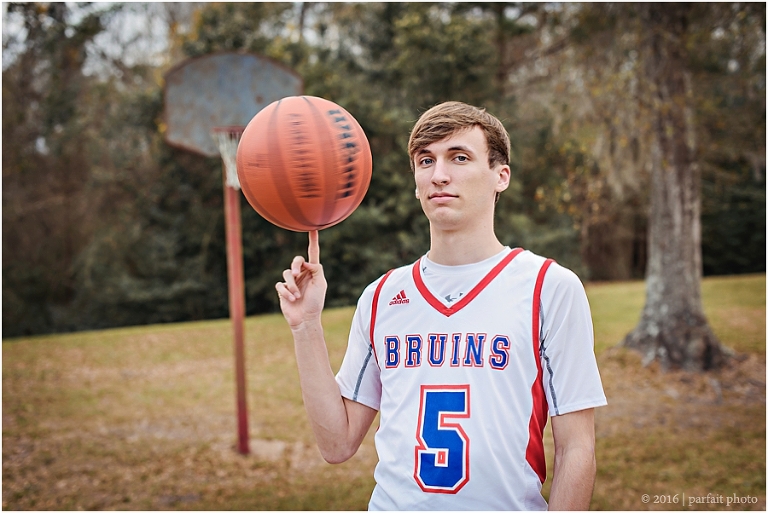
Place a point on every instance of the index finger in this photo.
(314, 247)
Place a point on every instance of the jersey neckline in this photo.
(472, 294)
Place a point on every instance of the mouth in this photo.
(438, 199)
(442, 195)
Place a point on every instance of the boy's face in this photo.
(454, 182)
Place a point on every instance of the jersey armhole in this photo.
(535, 450)
(536, 321)
(374, 307)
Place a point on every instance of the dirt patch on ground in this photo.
(649, 397)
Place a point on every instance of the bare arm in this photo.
(575, 464)
(338, 423)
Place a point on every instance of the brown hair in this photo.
(445, 119)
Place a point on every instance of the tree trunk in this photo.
(673, 328)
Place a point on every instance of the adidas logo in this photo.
(399, 299)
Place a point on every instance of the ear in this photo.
(417, 193)
(504, 176)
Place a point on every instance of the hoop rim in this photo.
(228, 129)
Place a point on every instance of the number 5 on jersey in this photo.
(442, 454)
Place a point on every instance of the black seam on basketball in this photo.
(362, 190)
(326, 142)
(251, 197)
(258, 207)
(280, 179)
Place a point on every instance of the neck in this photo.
(454, 247)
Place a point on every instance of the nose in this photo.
(440, 175)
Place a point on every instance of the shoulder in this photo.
(557, 279)
(560, 276)
(373, 292)
(555, 274)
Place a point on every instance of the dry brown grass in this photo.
(676, 433)
(143, 419)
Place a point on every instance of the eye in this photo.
(462, 158)
(426, 161)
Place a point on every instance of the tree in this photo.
(620, 116)
(673, 327)
(575, 86)
(46, 217)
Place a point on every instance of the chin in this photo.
(444, 220)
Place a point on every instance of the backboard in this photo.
(220, 90)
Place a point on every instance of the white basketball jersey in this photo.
(464, 383)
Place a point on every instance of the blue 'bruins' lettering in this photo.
(455, 350)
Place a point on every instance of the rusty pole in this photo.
(237, 306)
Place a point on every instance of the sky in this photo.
(137, 34)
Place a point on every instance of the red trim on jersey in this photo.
(534, 453)
(448, 311)
(374, 306)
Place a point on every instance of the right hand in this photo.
(302, 294)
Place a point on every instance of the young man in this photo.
(464, 353)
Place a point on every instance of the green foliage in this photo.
(440, 56)
(728, 59)
(733, 225)
(105, 225)
(232, 26)
(160, 261)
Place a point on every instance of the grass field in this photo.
(143, 418)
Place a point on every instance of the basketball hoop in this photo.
(208, 102)
(227, 139)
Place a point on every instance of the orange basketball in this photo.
(304, 163)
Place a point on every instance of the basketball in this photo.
(304, 163)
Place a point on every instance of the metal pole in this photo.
(236, 306)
